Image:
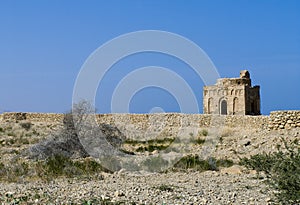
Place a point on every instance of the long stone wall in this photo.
(33, 117)
(148, 126)
(284, 119)
(169, 121)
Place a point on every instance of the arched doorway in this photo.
(223, 107)
(209, 106)
(235, 105)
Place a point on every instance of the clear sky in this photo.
(43, 45)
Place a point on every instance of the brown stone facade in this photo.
(232, 96)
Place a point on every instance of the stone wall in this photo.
(33, 117)
(284, 119)
(169, 123)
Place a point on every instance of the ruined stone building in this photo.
(232, 96)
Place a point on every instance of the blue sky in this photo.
(43, 45)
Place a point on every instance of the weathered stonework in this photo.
(232, 96)
(284, 119)
(33, 117)
(169, 124)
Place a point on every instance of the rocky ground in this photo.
(233, 185)
(226, 187)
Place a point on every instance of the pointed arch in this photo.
(223, 107)
(209, 105)
(235, 105)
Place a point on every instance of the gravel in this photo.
(208, 187)
(237, 186)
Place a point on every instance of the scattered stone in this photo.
(227, 186)
(235, 169)
(119, 193)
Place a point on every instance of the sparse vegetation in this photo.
(282, 169)
(14, 171)
(16, 141)
(194, 162)
(150, 145)
(165, 187)
(11, 134)
(127, 152)
(59, 165)
(151, 148)
(203, 132)
(152, 141)
(199, 140)
(49, 169)
(26, 125)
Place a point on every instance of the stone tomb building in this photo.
(232, 96)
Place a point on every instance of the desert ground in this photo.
(25, 180)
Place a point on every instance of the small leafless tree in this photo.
(80, 136)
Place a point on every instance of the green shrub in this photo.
(34, 132)
(59, 165)
(283, 172)
(21, 169)
(54, 166)
(127, 152)
(23, 141)
(151, 148)
(199, 140)
(194, 162)
(150, 145)
(203, 132)
(11, 134)
(259, 162)
(13, 171)
(165, 187)
(26, 125)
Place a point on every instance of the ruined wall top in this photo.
(243, 80)
(245, 74)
